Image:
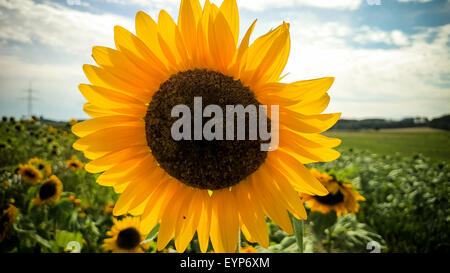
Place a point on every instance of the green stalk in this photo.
(239, 242)
(298, 231)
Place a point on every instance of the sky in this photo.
(390, 58)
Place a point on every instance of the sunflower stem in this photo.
(298, 231)
(239, 242)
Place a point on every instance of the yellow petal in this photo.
(156, 205)
(300, 90)
(128, 169)
(188, 18)
(297, 174)
(311, 107)
(169, 218)
(109, 160)
(166, 37)
(140, 201)
(203, 229)
(267, 57)
(99, 77)
(118, 138)
(277, 213)
(224, 222)
(221, 43)
(117, 64)
(307, 123)
(84, 128)
(96, 111)
(239, 61)
(188, 222)
(107, 98)
(272, 64)
(147, 32)
(139, 54)
(251, 215)
(230, 11)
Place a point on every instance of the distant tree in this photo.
(441, 123)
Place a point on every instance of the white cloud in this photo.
(367, 35)
(256, 5)
(417, 1)
(393, 82)
(57, 26)
(410, 77)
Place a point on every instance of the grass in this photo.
(408, 141)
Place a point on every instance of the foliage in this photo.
(407, 199)
(406, 207)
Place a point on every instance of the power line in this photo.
(29, 99)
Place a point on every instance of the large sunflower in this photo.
(125, 236)
(213, 187)
(49, 191)
(342, 198)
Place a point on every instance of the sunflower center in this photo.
(128, 238)
(205, 164)
(30, 174)
(47, 190)
(330, 199)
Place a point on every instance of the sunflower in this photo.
(52, 130)
(6, 220)
(126, 236)
(73, 121)
(213, 187)
(74, 164)
(49, 192)
(30, 173)
(109, 207)
(248, 249)
(41, 165)
(342, 198)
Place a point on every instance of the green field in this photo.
(409, 141)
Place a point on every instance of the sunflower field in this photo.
(49, 203)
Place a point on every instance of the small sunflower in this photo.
(74, 164)
(248, 249)
(342, 198)
(213, 187)
(109, 207)
(30, 173)
(41, 165)
(126, 236)
(52, 130)
(49, 192)
(73, 121)
(6, 220)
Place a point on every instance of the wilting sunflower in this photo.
(213, 187)
(342, 198)
(49, 192)
(126, 236)
(6, 220)
(74, 164)
(30, 173)
(41, 165)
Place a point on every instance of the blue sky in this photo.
(390, 60)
